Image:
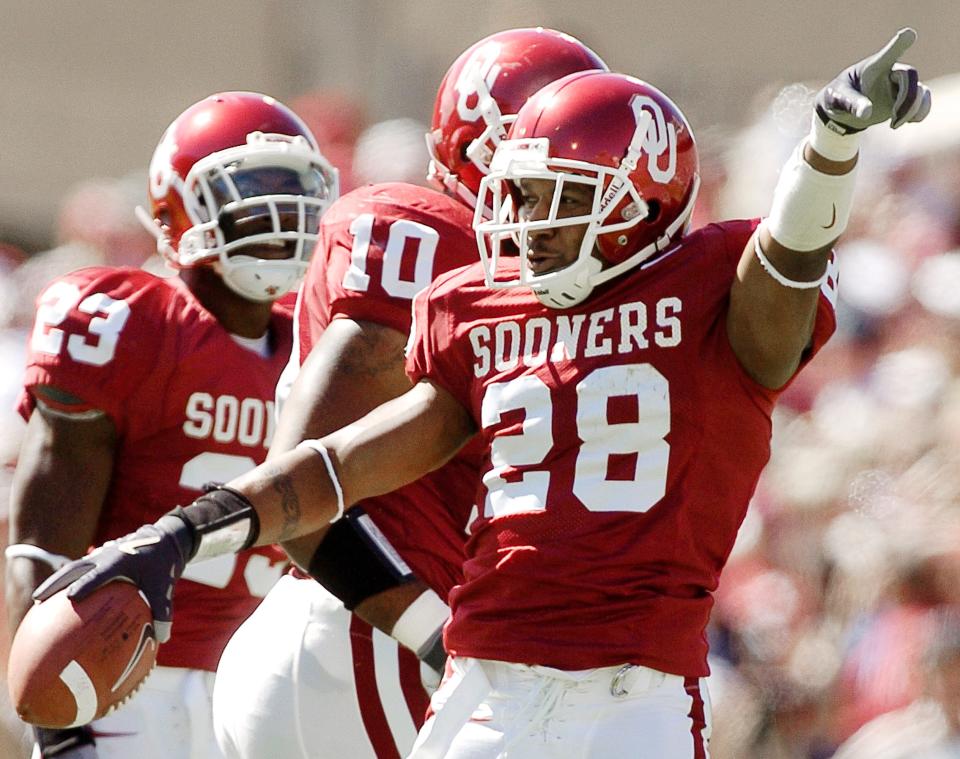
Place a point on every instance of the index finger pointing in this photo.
(896, 47)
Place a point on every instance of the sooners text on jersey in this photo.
(622, 442)
(189, 405)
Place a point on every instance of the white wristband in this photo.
(27, 551)
(810, 209)
(317, 446)
(419, 622)
(770, 269)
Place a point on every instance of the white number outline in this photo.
(357, 278)
(646, 438)
(55, 305)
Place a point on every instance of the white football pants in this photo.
(494, 710)
(303, 678)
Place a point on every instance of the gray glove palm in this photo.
(875, 90)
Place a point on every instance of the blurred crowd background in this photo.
(837, 625)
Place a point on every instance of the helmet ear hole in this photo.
(653, 211)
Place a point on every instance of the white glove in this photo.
(875, 90)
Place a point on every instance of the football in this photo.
(72, 662)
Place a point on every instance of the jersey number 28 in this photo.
(641, 443)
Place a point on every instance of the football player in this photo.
(302, 677)
(139, 390)
(620, 375)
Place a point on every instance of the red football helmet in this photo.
(239, 169)
(482, 92)
(615, 133)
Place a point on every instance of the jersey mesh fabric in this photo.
(189, 405)
(626, 443)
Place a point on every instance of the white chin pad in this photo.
(261, 279)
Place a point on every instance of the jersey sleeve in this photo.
(431, 352)
(736, 235)
(97, 336)
(364, 282)
(826, 323)
(379, 246)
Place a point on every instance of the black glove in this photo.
(152, 558)
(69, 743)
(875, 90)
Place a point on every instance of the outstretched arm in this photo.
(354, 367)
(296, 493)
(393, 445)
(773, 301)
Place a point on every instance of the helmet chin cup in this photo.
(570, 286)
(259, 279)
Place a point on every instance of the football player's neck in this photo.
(238, 315)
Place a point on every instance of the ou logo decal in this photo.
(655, 137)
(476, 79)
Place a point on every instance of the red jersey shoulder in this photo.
(99, 331)
(285, 304)
(731, 238)
(380, 245)
(445, 310)
(727, 237)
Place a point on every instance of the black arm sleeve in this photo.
(356, 561)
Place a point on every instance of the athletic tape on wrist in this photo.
(810, 209)
(27, 551)
(223, 521)
(420, 622)
(831, 144)
(319, 447)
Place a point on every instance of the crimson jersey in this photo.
(622, 443)
(379, 246)
(189, 405)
